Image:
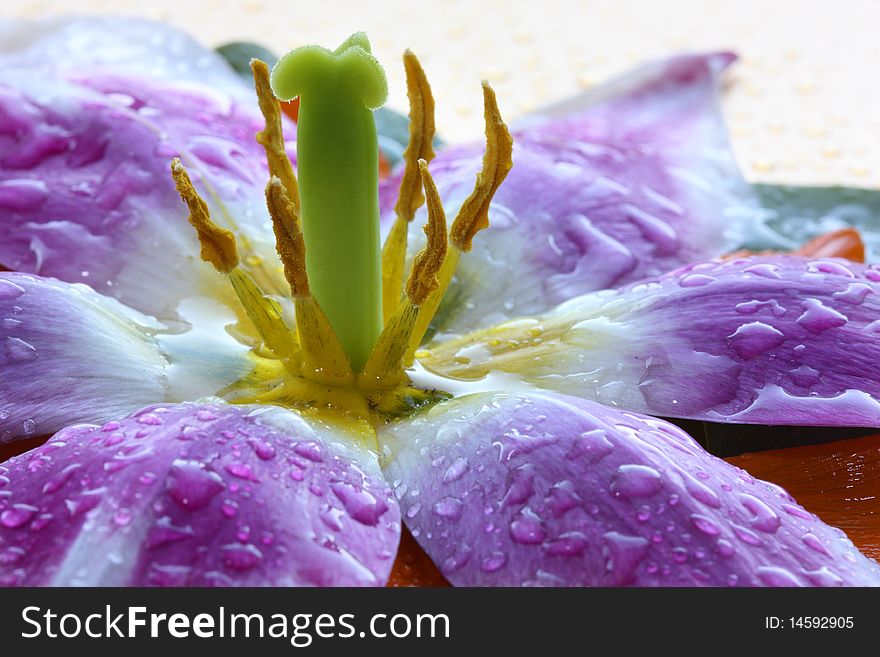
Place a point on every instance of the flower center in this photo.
(338, 351)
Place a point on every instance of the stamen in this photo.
(218, 244)
(272, 136)
(473, 216)
(410, 198)
(219, 248)
(289, 240)
(385, 365)
(423, 277)
(323, 357)
(497, 162)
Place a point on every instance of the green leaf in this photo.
(239, 54)
(791, 215)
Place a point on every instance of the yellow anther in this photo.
(423, 276)
(272, 137)
(410, 198)
(289, 240)
(218, 244)
(497, 161)
(421, 137)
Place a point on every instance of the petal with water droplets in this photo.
(635, 180)
(763, 340)
(653, 509)
(188, 495)
(85, 188)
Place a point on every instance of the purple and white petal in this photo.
(510, 489)
(85, 187)
(197, 495)
(69, 354)
(638, 182)
(135, 46)
(764, 340)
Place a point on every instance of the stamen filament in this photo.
(385, 365)
(323, 358)
(338, 160)
(473, 216)
(410, 198)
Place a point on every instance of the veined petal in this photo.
(639, 181)
(198, 495)
(85, 188)
(69, 354)
(764, 340)
(543, 489)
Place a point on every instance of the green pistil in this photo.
(337, 167)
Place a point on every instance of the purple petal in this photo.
(639, 182)
(68, 354)
(85, 186)
(543, 489)
(764, 340)
(197, 495)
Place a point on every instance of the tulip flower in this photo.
(260, 396)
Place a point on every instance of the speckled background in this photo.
(803, 103)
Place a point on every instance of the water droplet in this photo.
(764, 518)
(449, 507)
(636, 481)
(568, 544)
(19, 350)
(205, 415)
(494, 562)
(29, 427)
(17, 516)
(562, 498)
(747, 536)
(241, 557)
(454, 472)
(823, 577)
(229, 508)
(240, 470)
(191, 485)
(55, 484)
(150, 419)
(813, 542)
(122, 517)
(725, 549)
(521, 485)
(310, 450)
(705, 524)
(527, 529)
(622, 555)
(818, 318)
(591, 445)
(265, 451)
(775, 576)
(360, 504)
(752, 339)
